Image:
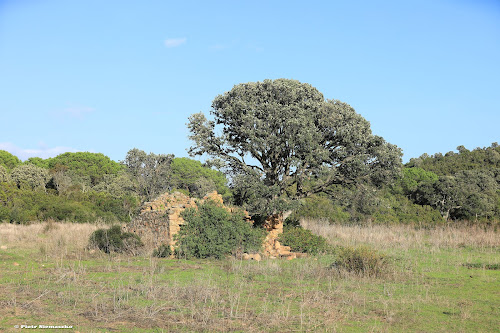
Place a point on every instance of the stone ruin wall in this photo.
(159, 221)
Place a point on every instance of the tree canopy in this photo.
(8, 160)
(196, 178)
(288, 142)
(465, 185)
(84, 164)
(151, 171)
(30, 176)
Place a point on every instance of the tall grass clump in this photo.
(114, 240)
(361, 260)
(211, 231)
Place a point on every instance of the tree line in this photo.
(86, 187)
(271, 146)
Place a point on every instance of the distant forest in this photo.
(90, 187)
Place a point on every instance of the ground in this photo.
(438, 280)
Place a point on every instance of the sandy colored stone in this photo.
(160, 220)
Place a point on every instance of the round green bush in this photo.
(211, 231)
(303, 240)
(114, 240)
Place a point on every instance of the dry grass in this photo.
(405, 237)
(52, 239)
(59, 280)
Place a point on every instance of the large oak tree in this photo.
(281, 141)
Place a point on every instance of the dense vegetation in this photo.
(430, 190)
(88, 187)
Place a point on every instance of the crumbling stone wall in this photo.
(160, 220)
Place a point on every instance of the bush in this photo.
(320, 207)
(362, 260)
(212, 231)
(114, 240)
(303, 240)
(163, 251)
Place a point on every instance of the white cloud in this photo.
(42, 151)
(174, 42)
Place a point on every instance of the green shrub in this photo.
(212, 231)
(321, 207)
(292, 221)
(361, 260)
(163, 251)
(303, 240)
(114, 240)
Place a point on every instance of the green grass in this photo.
(425, 289)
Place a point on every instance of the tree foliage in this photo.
(38, 161)
(284, 135)
(451, 162)
(4, 175)
(415, 177)
(84, 164)
(25, 205)
(30, 177)
(196, 178)
(468, 186)
(151, 172)
(8, 161)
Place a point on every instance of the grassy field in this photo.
(440, 280)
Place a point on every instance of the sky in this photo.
(109, 76)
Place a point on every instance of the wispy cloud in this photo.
(174, 42)
(42, 150)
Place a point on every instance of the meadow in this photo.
(443, 279)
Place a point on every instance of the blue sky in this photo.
(108, 76)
